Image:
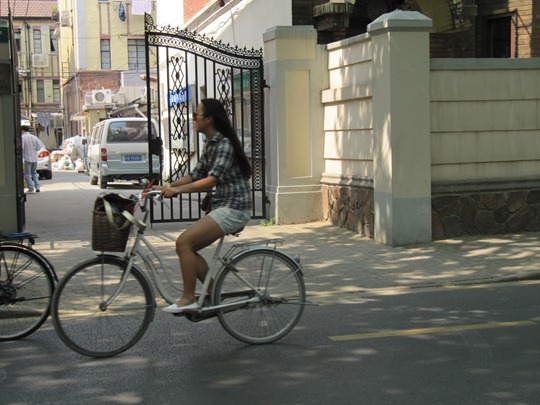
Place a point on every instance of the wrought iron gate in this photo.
(191, 67)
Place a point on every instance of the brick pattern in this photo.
(302, 11)
(192, 7)
(102, 79)
(88, 81)
(459, 44)
(528, 23)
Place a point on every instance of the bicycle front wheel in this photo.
(264, 294)
(26, 288)
(89, 325)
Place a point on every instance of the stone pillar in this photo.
(296, 73)
(401, 127)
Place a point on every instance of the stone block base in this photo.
(485, 213)
(349, 207)
(453, 215)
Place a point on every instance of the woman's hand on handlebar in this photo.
(166, 191)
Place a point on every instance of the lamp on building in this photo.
(221, 3)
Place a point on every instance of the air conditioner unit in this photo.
(65, 19)
(153, 95)
(88, 98)
(119, 98)
(40, 60)
(103, 96)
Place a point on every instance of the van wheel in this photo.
(93, 181)
(102, 182)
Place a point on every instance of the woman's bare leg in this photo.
(201, 234)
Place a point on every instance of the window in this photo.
(499, 37)
(54, 41)
(56, 91)
(40, 91)
(136, 57)
(105, 54)
(18, 40)
(37, 41)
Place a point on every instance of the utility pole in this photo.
(28, 67)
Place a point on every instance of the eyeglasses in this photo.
(195, 115)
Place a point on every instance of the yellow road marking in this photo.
(423, 331)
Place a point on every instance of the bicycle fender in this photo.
(275, 252)
(36, 252)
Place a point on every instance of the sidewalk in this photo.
(338, 262)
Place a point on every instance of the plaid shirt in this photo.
(232, 190)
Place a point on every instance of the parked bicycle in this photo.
(27, 281)
(104, 305)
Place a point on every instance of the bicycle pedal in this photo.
(179, 314)
(199, 316)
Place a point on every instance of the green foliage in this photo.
(270, 222)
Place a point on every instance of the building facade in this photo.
(102, 57)
(35, 29)
(461, 28)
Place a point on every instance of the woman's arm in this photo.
(179, 182)
(182, 186)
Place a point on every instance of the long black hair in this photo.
(214, 108)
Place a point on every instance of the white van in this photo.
(118, 150)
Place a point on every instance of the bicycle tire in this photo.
(84, 325)
(46, 261)
(26, 290)
(280, 282)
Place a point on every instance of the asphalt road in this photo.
(450, 346)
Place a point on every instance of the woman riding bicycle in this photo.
(223, 165)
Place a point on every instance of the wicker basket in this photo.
(106, 237)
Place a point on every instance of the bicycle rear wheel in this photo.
(26, 288)
(274, 286)
(80, 317)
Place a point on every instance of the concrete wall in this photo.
(347, 181)
(377, 165)
(294, 115)
(483, 144)
(485, 119)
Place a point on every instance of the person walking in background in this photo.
(30, 148)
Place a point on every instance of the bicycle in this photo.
(104, 305)
(27, 283)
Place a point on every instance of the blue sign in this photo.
(179, 96)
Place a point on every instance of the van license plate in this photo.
(133, 158)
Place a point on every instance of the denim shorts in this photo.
(230, 220)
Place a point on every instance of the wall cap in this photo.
(297, 31)
(399, 20)
(484, 63)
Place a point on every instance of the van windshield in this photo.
(128, 131)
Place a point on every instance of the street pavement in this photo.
(180, 362)
(337, 262)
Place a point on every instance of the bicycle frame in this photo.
(213, 272)
(258, 294)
